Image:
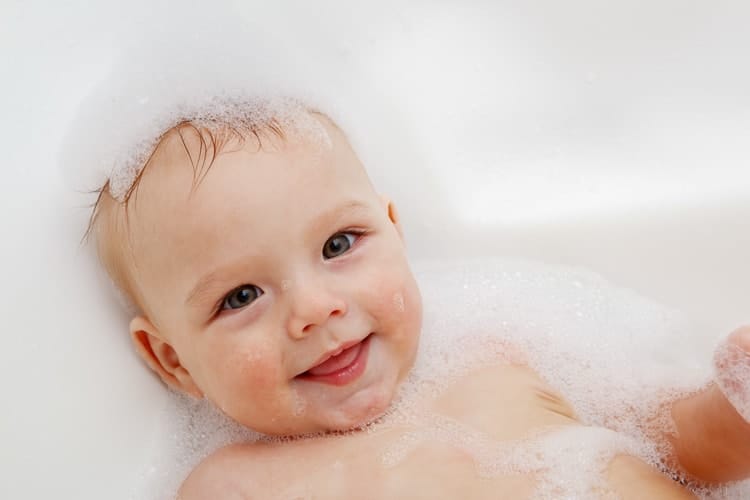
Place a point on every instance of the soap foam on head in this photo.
(215, 68)
(118, 160)
(612, 354)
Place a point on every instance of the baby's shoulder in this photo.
(268, 469)
(235, 471)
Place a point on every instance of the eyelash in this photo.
(358, 233)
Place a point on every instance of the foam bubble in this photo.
(214, 67)
(618, 363)
(618, 358)
(299, 404)
(190, 431)
(122, 161)
(572, 462)
(732, 365)
(398, 301)
(568, 462)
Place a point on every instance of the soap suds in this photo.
(603, 348)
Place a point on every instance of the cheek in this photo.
(397, 300)
(256, 366)
(408, 303)
(398, 294)
(385, 298)
(237, 371)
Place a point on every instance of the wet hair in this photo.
(212, 138)
(202, 142)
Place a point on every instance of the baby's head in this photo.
(268, 274)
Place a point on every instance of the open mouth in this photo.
(342, 367)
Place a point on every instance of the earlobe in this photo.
(390, 207)
(161, 357)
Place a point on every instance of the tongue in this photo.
(335, 363)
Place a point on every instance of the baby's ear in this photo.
(390, 207)
(161, 357)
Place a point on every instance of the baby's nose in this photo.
(311, 307)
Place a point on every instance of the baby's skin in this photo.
(504, 403)
(276, 285)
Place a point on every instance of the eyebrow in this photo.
(217, 275)
(336, 213)
(207, 282)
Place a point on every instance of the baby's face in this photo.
(277, 287)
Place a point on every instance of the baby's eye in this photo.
(241, 297)
(338, 244)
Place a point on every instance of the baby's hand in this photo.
(732, 366)
(712, 440)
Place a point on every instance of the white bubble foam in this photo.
(618, 363)
(618, 358)
(732, 365)
(214, 68)
(568, 462)
(398, 301)
(299, 406)
(572, 462)
(119, 159)
(191, 430)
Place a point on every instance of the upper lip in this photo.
(334, 352)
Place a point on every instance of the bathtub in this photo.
(614, 137)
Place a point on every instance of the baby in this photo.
(271, 278)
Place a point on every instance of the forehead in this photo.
(259, 166)
(179, 212)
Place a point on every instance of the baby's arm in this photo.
(712, 443)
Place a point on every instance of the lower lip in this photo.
(347, 374)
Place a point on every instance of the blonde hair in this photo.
(108, 223)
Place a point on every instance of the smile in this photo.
(341, 367)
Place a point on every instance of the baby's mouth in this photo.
(342, 366)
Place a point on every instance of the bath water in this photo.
(617, 357)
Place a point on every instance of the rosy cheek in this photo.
(243, 379)
(246, 368)
(402, 298)
(406, 304)
(393, 307)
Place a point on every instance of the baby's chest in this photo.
(442, 448)
(393, 463)
(505, 402)
(438, 449)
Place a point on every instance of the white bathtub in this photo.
(613, 137)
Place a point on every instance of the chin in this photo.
(359, 413)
